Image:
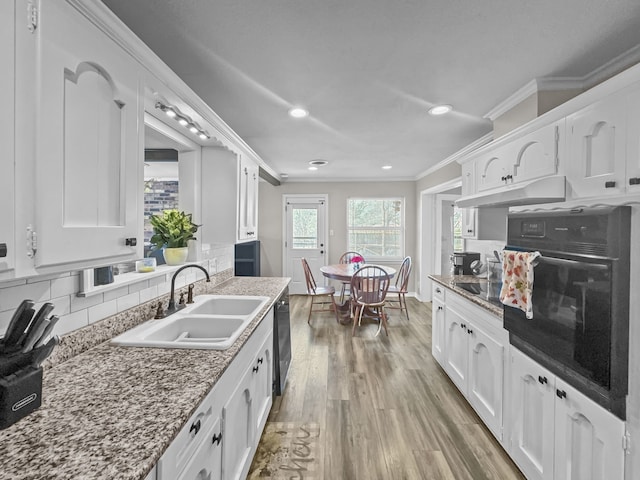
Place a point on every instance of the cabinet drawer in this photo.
(188, 440)
(207, 461)
(438, 292)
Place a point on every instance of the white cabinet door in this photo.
(88, 152)
(457, 348)
(588, 440)
(248, 200)
(438, 330)
(596, 148)
(7, 130)
(238, 430)
(632, 177)
(468, 178)
(535, 155)
(469, 221)
(491, 170)
(262, 389)
(530, 424)
(486, 376)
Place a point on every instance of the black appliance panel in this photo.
(281, 343)
(580, 323)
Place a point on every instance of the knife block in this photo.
(20, 394)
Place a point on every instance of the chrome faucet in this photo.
(171, 308)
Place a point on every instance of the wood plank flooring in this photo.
(386, 409)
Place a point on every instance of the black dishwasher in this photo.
(281, 342)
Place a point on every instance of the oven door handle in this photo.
(571, 263)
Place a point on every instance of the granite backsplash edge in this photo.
(83, 339)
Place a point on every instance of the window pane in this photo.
(458, 241)
(305, 228)
(375, 227)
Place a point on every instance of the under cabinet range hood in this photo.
(542, 190)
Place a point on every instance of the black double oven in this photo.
(580, 324)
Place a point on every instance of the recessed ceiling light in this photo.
(313, 168)
(284, 175)
(298, 112)
(440, 109)
(318, 163)
(387, 167)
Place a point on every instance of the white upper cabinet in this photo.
(596, 147)
(491, 169)
(536, 155)
(7, 122)
(88, 147)
(632, 178)
(248, 199)
(468, 178)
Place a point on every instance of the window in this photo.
(375, 227)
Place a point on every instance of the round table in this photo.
(344, 272)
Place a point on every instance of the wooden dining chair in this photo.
(316, 292)
(369, 287)
(400, 287)
(347, 257)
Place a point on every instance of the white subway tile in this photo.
(5, 318)
(164, 288)
(11, 297)
(116, 293)
(71, 322)
(61, 305)
(43, 278)
(148, 294)
(79, 303)
(64, 286)
(128, 301)
(157, 280)
(136, 287)
(103, 310)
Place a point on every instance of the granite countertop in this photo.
(111, 412)
(450, 281)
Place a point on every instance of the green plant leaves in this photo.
(172, 229)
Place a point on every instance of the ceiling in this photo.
(368, 70)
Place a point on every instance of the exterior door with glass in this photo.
(305, 237)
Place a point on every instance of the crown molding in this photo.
(460, 154)
(98, 14)
(609, 69)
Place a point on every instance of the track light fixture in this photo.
(174, 112)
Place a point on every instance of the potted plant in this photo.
(172, 231)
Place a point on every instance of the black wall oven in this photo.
(580, 324)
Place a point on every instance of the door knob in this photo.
(321, 252)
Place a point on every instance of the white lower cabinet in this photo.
(221, 437)
(474, 356)
(438, 324)
(555, 432)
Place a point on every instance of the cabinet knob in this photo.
(469, 331)
(463, 325)
(255, 369)
(131, 242)
(195, 427)
(561, 393)
(438, 290)
(260, 360)
(216, 438)
(440, 308)
(542, 379)
(503, 178)
(3, 249)
(609, 184)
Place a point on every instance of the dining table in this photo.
(344, 272)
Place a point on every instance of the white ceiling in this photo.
(368, 70)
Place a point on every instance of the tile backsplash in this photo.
(77, 312)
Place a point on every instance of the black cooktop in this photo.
(482, 291)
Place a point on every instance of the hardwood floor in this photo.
(385, 407)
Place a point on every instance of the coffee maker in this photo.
(461, 262)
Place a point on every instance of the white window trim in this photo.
(402, 228)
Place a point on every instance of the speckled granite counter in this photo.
(110, 412)
(450, 281)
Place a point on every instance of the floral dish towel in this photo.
(517, 280)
